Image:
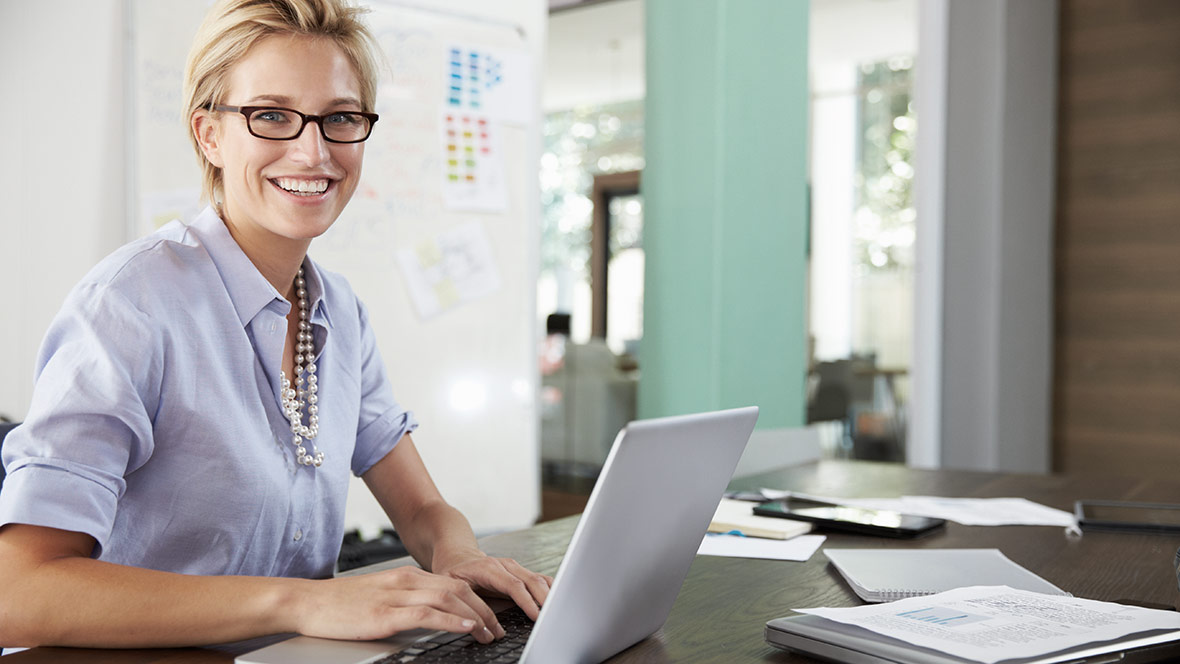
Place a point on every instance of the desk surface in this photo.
(720, 612)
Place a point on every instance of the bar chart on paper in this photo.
(942, 616)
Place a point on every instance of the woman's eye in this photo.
(275, 117)
(343, 119)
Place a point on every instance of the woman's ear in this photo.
(206, 128)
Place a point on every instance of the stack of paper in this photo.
(986, 624)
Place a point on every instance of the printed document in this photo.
(994, 623)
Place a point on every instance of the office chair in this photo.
(5, 427)
(831, 400)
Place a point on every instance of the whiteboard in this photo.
(440, 240)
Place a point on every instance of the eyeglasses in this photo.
(283, 124)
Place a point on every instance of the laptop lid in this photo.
(836, 642)
(629, 554)
(638, 535)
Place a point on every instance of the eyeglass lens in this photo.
(282, 124)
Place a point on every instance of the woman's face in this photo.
(291, 189)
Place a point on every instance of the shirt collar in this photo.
(249, 291)
(315, 293)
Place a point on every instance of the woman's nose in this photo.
(309, 146)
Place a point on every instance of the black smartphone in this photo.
(1133, 516)
(853, 519)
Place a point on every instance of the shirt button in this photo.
(298, 535)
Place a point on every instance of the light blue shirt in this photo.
(156, 425)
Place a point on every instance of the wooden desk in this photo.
(720, 612)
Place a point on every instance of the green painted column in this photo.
(725, 208)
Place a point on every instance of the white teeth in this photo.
(297, 186)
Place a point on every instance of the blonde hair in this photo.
(232, 27)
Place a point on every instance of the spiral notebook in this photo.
(883, 575)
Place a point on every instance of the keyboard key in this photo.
(464, 649)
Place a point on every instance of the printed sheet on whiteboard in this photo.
(473, 166)
(454, 267)
(497, 83)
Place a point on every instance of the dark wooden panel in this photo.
(1123, 363)
(1117, 350)
(1116, 267)
(1103, 15)
(1147, 412)
(1115, 451)
(1113, 317)
(1126, 216)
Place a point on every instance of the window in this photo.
(862, 253)
(578, 146)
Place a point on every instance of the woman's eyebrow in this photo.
(278, 99)
(284, 99)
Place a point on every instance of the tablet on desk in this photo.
(1129, 516)
(853, 519)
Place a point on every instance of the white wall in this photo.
(595, 53)
(983, 333)
(63, 168)
(595, 56)
(846, 33)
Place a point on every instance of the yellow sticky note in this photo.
(429, 254)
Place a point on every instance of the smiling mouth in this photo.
(300, 187)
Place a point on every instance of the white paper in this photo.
(455, 267)
(967, 511)
(993, 623)
(798, 548)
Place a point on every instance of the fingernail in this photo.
(488, 633)
(500, 631)
(468, 624)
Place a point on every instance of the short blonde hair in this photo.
(232, 27)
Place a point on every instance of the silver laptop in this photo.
(831, 641)
(628, 557)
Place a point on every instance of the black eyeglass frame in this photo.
(247, 111)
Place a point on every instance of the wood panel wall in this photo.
(1117, 294)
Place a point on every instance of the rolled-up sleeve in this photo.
(89, 423)
(382, 421)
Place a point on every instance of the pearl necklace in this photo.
(293, 398)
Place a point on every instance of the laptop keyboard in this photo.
(464, 649)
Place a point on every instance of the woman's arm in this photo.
(439, 537)
(53, 593)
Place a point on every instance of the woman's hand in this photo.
(378, 605)
(498, 576)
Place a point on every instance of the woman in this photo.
(181, 476)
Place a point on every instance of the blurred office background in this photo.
(861, 57)
(989, 269)
(937, 232)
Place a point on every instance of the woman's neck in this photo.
(277, 258)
